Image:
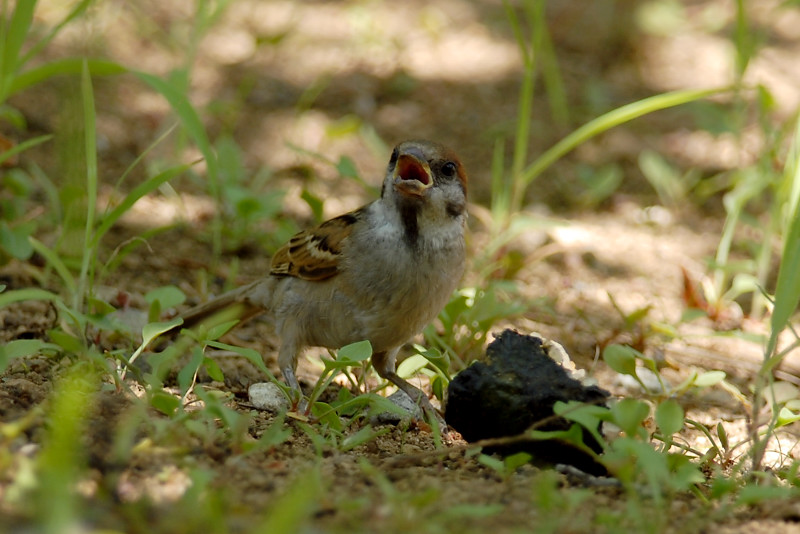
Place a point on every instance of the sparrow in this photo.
(380, 273)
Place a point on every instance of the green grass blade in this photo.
(792, 174)
(56, 263)
(90, 141)
(551, 76)
(15, 31)
(78, 10)
(525, 105)
(500, 188)
(32, 293)
(609, 120)
(62, 461)
(516, 28)
(787, 288)
(25, 145)
(194, 126)
(97, 67)
(189, 118)
(143, 154)
(131, 198)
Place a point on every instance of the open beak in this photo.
(412, 175)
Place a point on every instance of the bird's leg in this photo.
(299, 402)
(287, 361)
(384, 363)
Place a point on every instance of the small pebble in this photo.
(267, 396)
(403, 401)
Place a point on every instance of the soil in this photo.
(296, 86)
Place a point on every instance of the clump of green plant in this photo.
(17, 220)
(16, 225)
(245, 199)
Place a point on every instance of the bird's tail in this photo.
(231, 306)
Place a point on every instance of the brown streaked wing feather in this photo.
(314, 254)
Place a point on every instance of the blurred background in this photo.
(287, 81)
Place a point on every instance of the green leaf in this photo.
(160, 364)
(438, 387)
(709, 378)
(20, 348)
(68, 342)
(187, 372)
(515, 461)
(99, 307)
(588, 416)
(573, 435)
(629, 414)
(327, 415)
(364, 435)
(165, 403)
(621, 358)
(213, 370)
(684, 473)
(154, 311)
(378, 404)
(152, 330)
(252, 355)
(723, 486)
(669, 417)
(314, 202)
(347, 167)
(15, 240)
(355, 352)
(411, 365)
(168, 296)
(219, 330)
(663, 177)
(436, 357)
(723, 436)
(493, 463)
(786, 417)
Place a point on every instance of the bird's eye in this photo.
(449, 169)
(393, 159)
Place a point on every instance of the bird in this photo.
(380, 273)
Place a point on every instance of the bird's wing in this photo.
(314, 254)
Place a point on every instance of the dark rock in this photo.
(514, 389)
